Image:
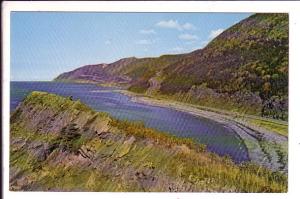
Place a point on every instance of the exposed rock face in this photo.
(62, 145)
(99, 73)
(92, 73)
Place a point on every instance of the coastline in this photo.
(266, 148)
(92, 145)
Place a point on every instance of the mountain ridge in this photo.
(243, 69)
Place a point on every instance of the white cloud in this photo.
(174, 24)
(169, 24)
(215, 33)
(107, 42)
(188, 37)
(177, 49)
(147, 32)
(144, 42)
(191, 42)
(188, 26)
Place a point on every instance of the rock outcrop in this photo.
(57, 144)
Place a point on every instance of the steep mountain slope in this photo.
(57, 144)
(143, 70)
(128, 70)
(243, 69)
(98, 73)
(246, 64)
(89, 73)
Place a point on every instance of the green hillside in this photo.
(244, 69)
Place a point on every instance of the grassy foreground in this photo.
(94, 152)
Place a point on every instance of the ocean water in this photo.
(218, 138)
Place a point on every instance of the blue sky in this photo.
(45, 44)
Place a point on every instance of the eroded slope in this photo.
(58, 144)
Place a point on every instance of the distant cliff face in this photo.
(89, 73)
(130, 71)
(57, 144)
(244, 68)
(98, 73)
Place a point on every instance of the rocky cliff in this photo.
(57, 144)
